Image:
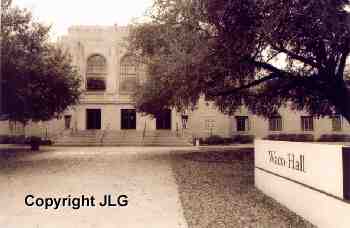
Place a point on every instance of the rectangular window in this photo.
(307, 123)
(96, 84)
(242, 123)
(275, 123)
(336, 123)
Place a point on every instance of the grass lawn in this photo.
(217, 190)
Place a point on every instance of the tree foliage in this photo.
(257, 53)
(38, 80)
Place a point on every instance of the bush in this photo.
(243, 139)
(4, 139)
(291, 137)
(46, 142)
(228, 141)
(214, 140)
(15, 139)
(33, 139)
(334, 138)
(20, 139)
(34, 142)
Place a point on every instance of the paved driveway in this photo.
(143, 174)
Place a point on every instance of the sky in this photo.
(64, 13)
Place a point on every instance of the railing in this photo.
(60, 134)
(177, 130)
(104, 132)
(144, 131)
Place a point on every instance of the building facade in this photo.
(109, 77)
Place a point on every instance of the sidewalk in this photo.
(143, 174)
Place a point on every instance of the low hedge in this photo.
(243, 139)
(218, 140)
(212, 140)
(291, 137)
(21, 140)
(334, 138)
(12, 139)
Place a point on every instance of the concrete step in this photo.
(122, 138)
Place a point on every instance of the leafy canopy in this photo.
(257, 53)
(38, 80)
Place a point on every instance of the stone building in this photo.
(109, 77)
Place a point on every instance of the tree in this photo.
(38, 79)
(257, 53)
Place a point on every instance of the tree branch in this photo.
(276, 73)
(266, 66)
(297, 57)
(252, 84)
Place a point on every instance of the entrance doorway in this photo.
(163, 120)
(128, 120)
(93, 119)
(67, 120)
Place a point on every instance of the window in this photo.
(184, 120)
(96, 73)
(307, 123)
(336, 123)
(242, 123)
(131, 72)
(209, 124)
(275, 123)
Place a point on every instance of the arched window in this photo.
(96, 73)
(131, 73)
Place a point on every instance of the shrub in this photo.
(291, 137)
(228, 141)
(243, 139)
(34, 142)
(334, 138)
(46, 142)
(15, 139)
(20, 139)
(4, 139)
(32, 139)
(214, 140)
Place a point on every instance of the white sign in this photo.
(318, 166)
(305, 177)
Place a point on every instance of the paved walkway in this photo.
(144, 174)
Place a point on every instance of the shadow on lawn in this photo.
(13, 152)
(18, 159)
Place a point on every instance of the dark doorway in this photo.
(128, 119)
(67, 120)
(163, 121)
(93, 119)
